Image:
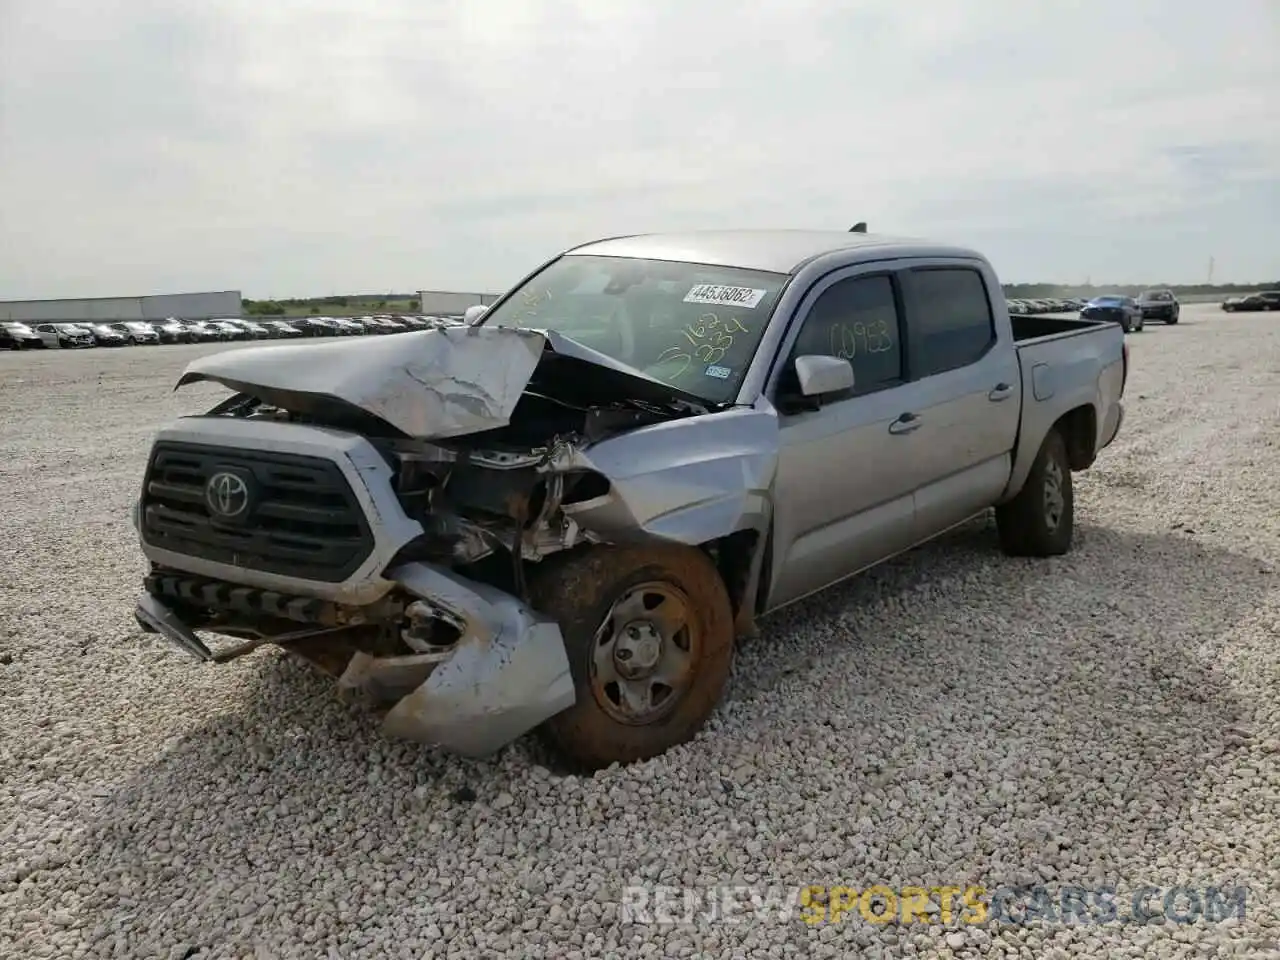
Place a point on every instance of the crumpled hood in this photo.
(445, 382)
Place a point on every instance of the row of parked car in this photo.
(1023, 307)
(1132, 313)
(18, 336)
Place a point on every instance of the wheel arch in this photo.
(1079, 429)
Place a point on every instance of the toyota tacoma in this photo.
(560, 512)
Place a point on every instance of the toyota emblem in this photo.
(227, 495)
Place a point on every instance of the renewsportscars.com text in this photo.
(947, 905)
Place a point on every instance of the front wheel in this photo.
(1173, 318)
(1040, 520)
(649, 636)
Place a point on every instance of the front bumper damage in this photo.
(506, 674)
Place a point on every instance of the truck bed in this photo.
(1066, 364)
(1033, 328)
(1027, 328)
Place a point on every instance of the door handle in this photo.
(905, 424)
(1002, 391)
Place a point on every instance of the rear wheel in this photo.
(649, 635)
(1040, 520)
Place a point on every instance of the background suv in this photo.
(1159, 305)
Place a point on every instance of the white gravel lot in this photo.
(956, 716)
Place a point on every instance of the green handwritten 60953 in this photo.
(850, 339)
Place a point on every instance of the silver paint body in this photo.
(829, 491)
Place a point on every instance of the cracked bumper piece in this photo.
(154, 617)
(507, 674)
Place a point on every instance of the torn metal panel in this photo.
(507, 674)
(389, 678)
(430, 383)
(690, 481)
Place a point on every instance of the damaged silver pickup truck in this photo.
(561, 513)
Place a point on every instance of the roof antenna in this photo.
(859, 227)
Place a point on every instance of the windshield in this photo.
(1108, 299)
(1156, 295)
(690, 325)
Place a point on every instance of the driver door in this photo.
(846, 470)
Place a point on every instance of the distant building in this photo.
(187, 306)
(443, 302)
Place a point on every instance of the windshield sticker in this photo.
(720, 373)
(720, 296)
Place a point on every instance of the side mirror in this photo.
(818, 374)
(472, 314)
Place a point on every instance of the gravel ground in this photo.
(954, 717)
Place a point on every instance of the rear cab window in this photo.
(950, 323)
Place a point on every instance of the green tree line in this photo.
(1034, 290)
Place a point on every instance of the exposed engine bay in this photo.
(498, 492)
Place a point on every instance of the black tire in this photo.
(1027, 524)
(1173, 318)
(583, 591)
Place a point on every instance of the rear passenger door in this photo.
(965, 392)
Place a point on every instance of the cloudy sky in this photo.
(297, 148)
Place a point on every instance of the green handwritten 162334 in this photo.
(706, 340)
(850, 339)
(530, 301)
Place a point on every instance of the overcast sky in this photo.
(304, 148)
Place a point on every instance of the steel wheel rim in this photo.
(1054, 500)
(643, 654)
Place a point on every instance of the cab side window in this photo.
(856, 320)
(949, 319)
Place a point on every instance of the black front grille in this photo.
(303, 519)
